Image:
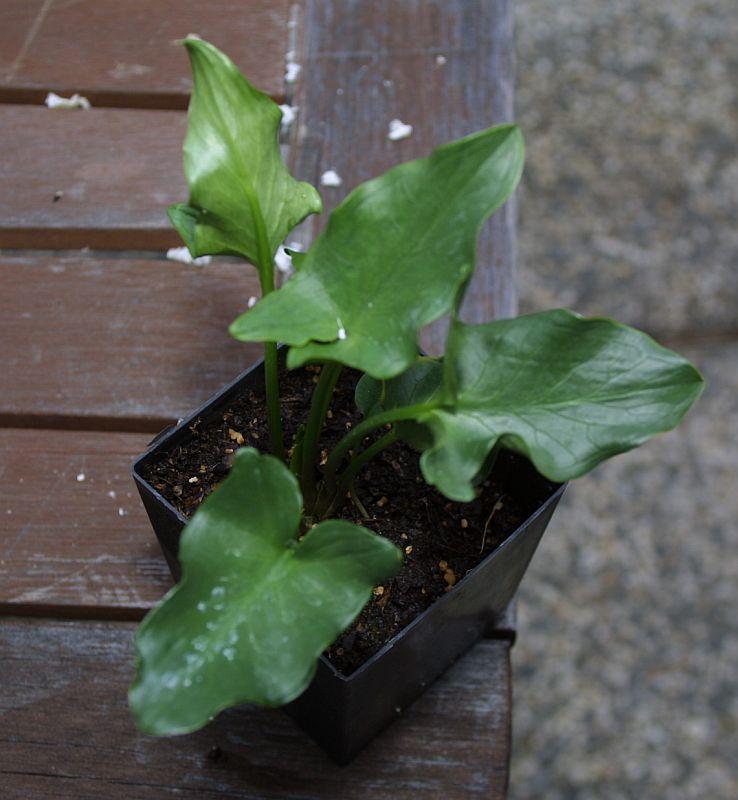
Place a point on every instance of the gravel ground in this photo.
(626, 666)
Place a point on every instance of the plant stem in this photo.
(366, 427)
(356, 463)
(271, 363)
(318, 408)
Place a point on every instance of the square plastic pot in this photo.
(343, 713)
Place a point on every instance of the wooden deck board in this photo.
(122, 52)
(98, 344)
(365, 66)
(72, 547)
(117, 171)
(65, 731)
(117, 343)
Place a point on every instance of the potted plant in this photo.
(407, 491)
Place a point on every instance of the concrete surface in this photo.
(626, 666)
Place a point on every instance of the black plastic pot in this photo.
(343, 713)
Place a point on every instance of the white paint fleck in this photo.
(341, 330)
(283, 260)
(80, 477)
(111, 494)
(339, 91)
(183, 255)
(292, 71)
(122, 512)
(252, 302)
(330, 178)
(123, 71)
(440, 60)
(399, 130)
(386, 83)
(53, 100)
(288, 116)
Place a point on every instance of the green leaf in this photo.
(421, 383)
(255, 607)
(565, 391)
(240, 189)
(394, 257)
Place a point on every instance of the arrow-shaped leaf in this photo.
(255, 606)
(240, 189)
(393, 258)
(565, 391)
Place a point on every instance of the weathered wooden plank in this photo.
(65, 731)
(69, 546)
(101, 178)
(443, 66)
(117, 343)
(122, 52)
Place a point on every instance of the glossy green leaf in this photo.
(421, 383)
(565, 391)
(255, 606)
(394, 256)
(240, 189)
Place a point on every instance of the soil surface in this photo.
(442, 540)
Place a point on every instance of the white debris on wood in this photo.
(53, 100)
(111, 494)
(121, 512)
(122, 71)
(398, 130)
(330, 178)
(252, 302)
(288, 116)
(386, 83)
(183, 255)
(292, 71)
(283, 260)
(441, 60)
(80, 477)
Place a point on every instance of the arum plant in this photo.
(269, 580)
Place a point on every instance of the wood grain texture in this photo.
(117, 170)
(117, 343)
(123, 52)
(366, 63)
(72, 547)
(65, 732)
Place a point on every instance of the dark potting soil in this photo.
(442, 540)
